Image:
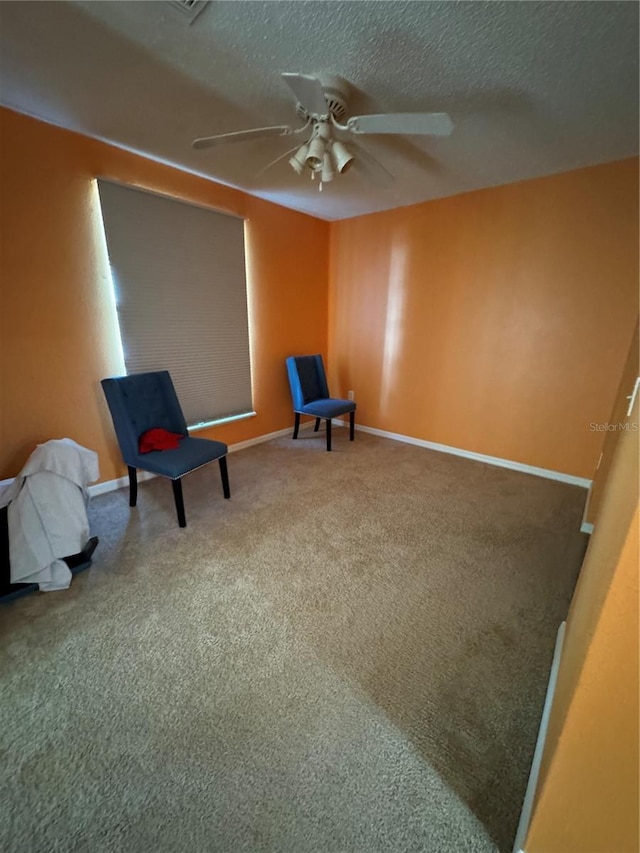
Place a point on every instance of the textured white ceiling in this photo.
(534, 88)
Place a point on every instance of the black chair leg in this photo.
(328, 433)
(296, 426)
(177, 495)
(352, 425)
(225, 476)
(317, 425)
(133, 485)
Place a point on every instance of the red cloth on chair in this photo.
(158, 439)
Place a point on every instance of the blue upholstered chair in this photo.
(310, 394)
(144, 401)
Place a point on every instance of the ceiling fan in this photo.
(322, 105)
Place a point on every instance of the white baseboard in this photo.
(586, 526)
(259, 439)
(478, 457)
(121, 482)
(532, 785)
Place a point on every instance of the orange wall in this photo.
(496, 321)
(588, 794)
(58, 324)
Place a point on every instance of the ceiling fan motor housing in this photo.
(335, 94)
(337, 105)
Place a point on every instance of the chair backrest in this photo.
(307, 379)
(140, 402)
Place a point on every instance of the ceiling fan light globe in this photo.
(342, 157)
(300, 157)
(296, 165)
(327, 168)
(315, 154)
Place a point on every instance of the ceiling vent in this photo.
(190, 9)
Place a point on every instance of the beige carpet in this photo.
(349, 656)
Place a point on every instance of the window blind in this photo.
(180, 287)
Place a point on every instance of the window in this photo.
(180, 288)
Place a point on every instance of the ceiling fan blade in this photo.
(371, 168)
(309, 93)
(277, 160)
(241, 136)
(430, 124)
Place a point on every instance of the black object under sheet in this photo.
(8, 590)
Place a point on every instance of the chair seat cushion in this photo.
(328, 408)
(191, 454)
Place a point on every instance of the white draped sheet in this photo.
(47, 515)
